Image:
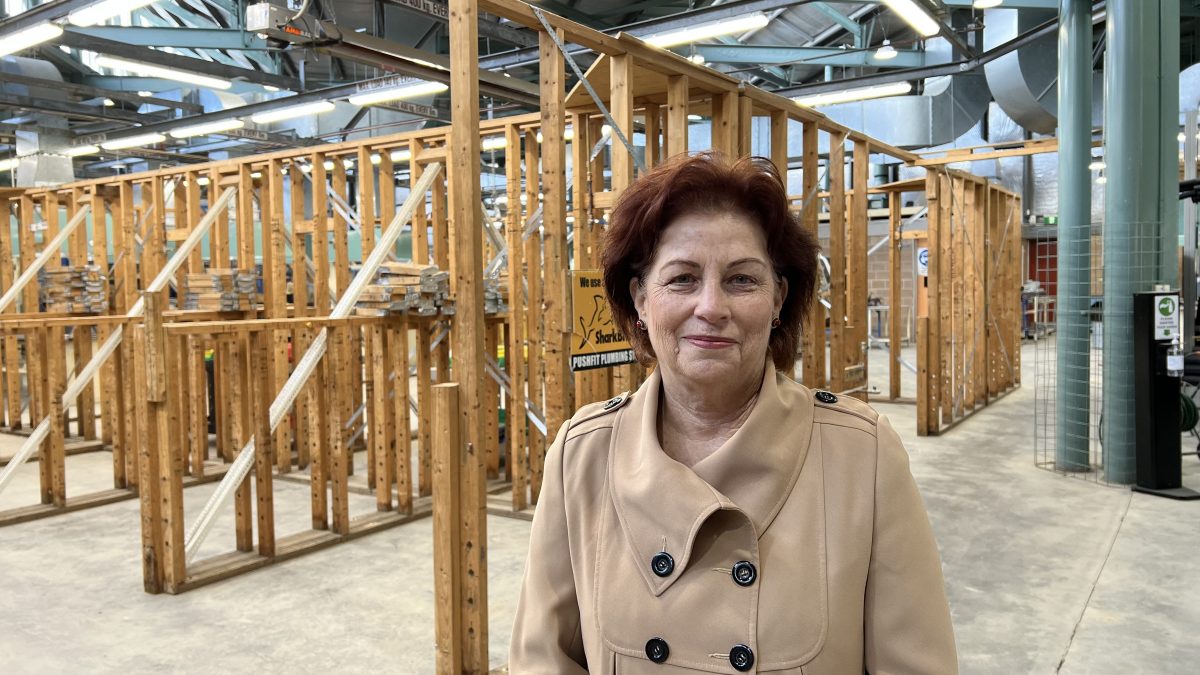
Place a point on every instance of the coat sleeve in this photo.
(907, 625)
(547, 635)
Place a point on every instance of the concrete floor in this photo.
(1045, 574)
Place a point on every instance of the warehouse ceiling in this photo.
(65, 95)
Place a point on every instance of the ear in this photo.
(781, 291)
(638, 292)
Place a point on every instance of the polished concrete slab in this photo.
(1044, 574)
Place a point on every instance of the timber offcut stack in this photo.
(220, 290)
(406, 287)
(74, 290)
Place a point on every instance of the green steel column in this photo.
(1141, 79)
(1072, 407)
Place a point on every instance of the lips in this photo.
(710, 341)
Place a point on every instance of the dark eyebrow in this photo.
(735, 263)
(742, 261)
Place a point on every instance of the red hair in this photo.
(709, 183)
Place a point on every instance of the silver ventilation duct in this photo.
(948, 108)
(39, 133)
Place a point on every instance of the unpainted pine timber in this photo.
(559, 387)
(621, 107)
(28, 251)
(929, 358)
(522, 13)
(344, 379)
(1013, 295)
(979, 239)
(149, 485)
(424, 407)
(856, 273)
(243, 356)
(677, 112)
(126, 290)
(50, 217)
(946, 290)
(653, 127)
(491, 407)
(515, 352)
(447, 538)
(39, 378)
(12, 357)
(894, 301)
(300, 307)
(320, 461)
(264, 502)
(381, 410)
(275, 299)
(56, 382)
(961, 220)
(170, 459)
(420, 220)
(814, 334)
(81, 339)
(398, 339)
(535, 316)
(969, 287)
(745, 126)
(365, 174)
(840, 355)
(154, 227)
(923, 394)
(725, 123)
(340, 457)
(99, 247)
(464, 194)
(443, 233)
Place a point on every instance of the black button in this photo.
(612, 402)
(741, 658)
(826, 397)
(744, 573)
(662, 564)
(658, 651)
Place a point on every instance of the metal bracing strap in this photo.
(883, 242)
(51, 249)
(562, 48)
(85, 376)
(308, 363)
(531, 411)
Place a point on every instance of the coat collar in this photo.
(661, 503)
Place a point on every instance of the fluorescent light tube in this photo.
(77, 150)
(860, 94)
(9, 164)
(398, 93)
(495, 142)
(986, 4)
(28, 37)
(94, 14)
(279, 114)
(709, 30)
(150, 70)
(915, 16)
(133, 141)
(401, 155)
(205, 128)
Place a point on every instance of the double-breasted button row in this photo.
(741, 657)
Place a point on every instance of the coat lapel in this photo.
(661, 503)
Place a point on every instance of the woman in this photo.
(724, 518)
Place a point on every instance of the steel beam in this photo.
(43, 12)
(179, 38)
(76, 110)
(809, 56)
(95, 92)
(853, 27)
(440, 12)
(169, 60)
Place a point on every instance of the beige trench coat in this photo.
(816, 496)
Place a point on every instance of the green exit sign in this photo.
(1051, 220)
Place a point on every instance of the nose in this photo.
(712, 305)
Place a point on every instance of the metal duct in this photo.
(43, 133)
(949, 108)
(1023, 82)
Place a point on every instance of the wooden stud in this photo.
(677, 112)
(745, 126)
(725, 123)
(424, 408)
(856, 272)
(448, 458)
(814, 334)
(264, 452)
(841, 355)
(398, 339)
(515, 352)
(894, 296)
(534, 264)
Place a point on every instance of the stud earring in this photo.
(640, 324)
(775, 323)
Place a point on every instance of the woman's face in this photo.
(707, 299)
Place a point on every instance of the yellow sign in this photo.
(596, 342)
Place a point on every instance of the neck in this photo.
(693, 422)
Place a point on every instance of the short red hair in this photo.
(709, 183)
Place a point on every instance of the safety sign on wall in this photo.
(923, 262)
(596, 342)
(1166, 317)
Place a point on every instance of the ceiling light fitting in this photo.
(150, 70)
(398, 93)
(207, 128)
(104, 10)
(709, 30)
(300, 110)
(915, 16)
(133, 141)
(28, 37)
(860, 94)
